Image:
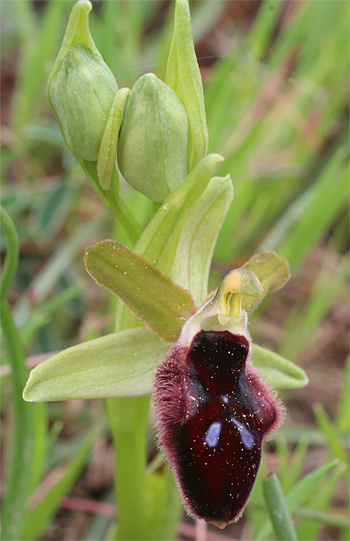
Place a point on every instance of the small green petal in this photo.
(272, 271)
(107, 154)
(160, 304)
(279, 372)
(183, 76)
(120, 364)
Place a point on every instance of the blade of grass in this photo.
(302, 324)
(36, 520)
(336, 519)
(299, 457)
(171, 509)
(98, 525)
(283, 462)
(330, 431)
(309, 528)
(343, 413)
(42, 314)
(108, 44)
(263, 27)
(19, 451)
(289, 38)
(38, 49)
(56, 266)
(301, 227)
(299, 494)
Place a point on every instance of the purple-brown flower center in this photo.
(215, 445)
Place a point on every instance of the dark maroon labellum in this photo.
(213, 413)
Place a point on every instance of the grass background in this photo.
(276, 87)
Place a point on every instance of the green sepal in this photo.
(81, 87)
(120, 364)
(159, 240)
(278, 372)
(198, 238)
(77, 31)
(272, 271)
(183, 76)
(160, 304)
(107, 154)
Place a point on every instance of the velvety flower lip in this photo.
(213, 413)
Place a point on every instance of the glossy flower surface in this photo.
(213, 413)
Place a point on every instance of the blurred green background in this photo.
(276, 88)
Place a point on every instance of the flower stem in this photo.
(113, 200)
(128, 422)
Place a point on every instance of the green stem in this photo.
(11, 261)
(112, 199)
(278, 509)
(128, 422)
(127, 416)
(19, 452)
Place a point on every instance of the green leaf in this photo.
(161, 305)
(107, 154)
(279, 372)
(200, 231)
(278, 510)
(183, 76)
(272, 271)
(120, 364)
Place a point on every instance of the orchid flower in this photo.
(192, 351)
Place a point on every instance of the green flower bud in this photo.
(81, 87)
(153, 144)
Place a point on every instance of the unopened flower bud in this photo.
(153, 144)
(81, 87)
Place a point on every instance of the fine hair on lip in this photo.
(213, 413)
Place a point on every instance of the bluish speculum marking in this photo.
(247, 437)
(219, 444)
(212, 435)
